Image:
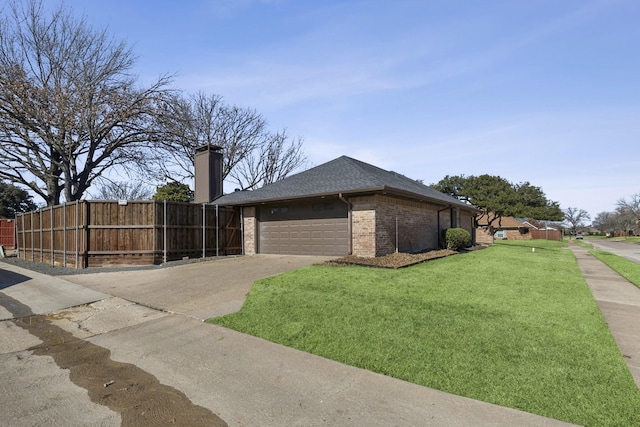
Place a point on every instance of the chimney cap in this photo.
(208, 147)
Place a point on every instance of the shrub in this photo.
(457, 238)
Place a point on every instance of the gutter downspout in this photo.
(439, 231)
(349, 222)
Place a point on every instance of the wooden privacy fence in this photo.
(100, 233)
(546, 234)
(7, 233)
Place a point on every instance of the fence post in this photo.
(16, 242)
(204, 233)
(154, 205)
(64, 235)
(217, 231)
(164, 243)
(86, 235)
(242, 230)
(77, 251)
(41, 216)
(40, 229)
(24, 240)
(33, 255)
(51, 245)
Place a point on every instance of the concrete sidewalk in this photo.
(44, 294)
(248, 381)
(619, 302)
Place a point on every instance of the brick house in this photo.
(342, 207)
(506, 228)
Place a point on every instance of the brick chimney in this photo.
(208, 171)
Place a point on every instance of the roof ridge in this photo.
(370, 170)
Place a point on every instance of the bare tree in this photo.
(626, 220)
(123, 190)
(188, 123)
(274, 160)
(252, 156)
(631, 207)
(185, 125)
(70, 109)
(605, 222)
(576, 218)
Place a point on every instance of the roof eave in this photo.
(352, 192)
(300, 197)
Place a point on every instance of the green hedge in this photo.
(457, 238)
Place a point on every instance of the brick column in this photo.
(249, 226)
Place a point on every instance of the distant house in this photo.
(506, 228)
(342, 207)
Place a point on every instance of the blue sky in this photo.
(533, 90)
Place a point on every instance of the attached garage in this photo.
(343, 207)
(318, 228)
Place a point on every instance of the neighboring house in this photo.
(592, 231)
(506, 228)
(342, 207)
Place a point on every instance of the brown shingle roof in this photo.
(504, 222)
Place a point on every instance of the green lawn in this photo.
(627, 269)
(505, 325)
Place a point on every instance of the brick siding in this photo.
(363, 228)
(249, 225)
(374, 225)
(483, 236)
(517, 235)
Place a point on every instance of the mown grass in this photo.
(505, 325)
(628, 269)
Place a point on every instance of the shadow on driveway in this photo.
(10, 278)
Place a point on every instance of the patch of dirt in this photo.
(395, 260)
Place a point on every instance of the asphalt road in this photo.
(628, 250)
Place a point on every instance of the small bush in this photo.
(457, 238)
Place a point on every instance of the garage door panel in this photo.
(312, 236)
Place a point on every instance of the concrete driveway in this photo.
(201, 290)
(628, 250)
(114, 362)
